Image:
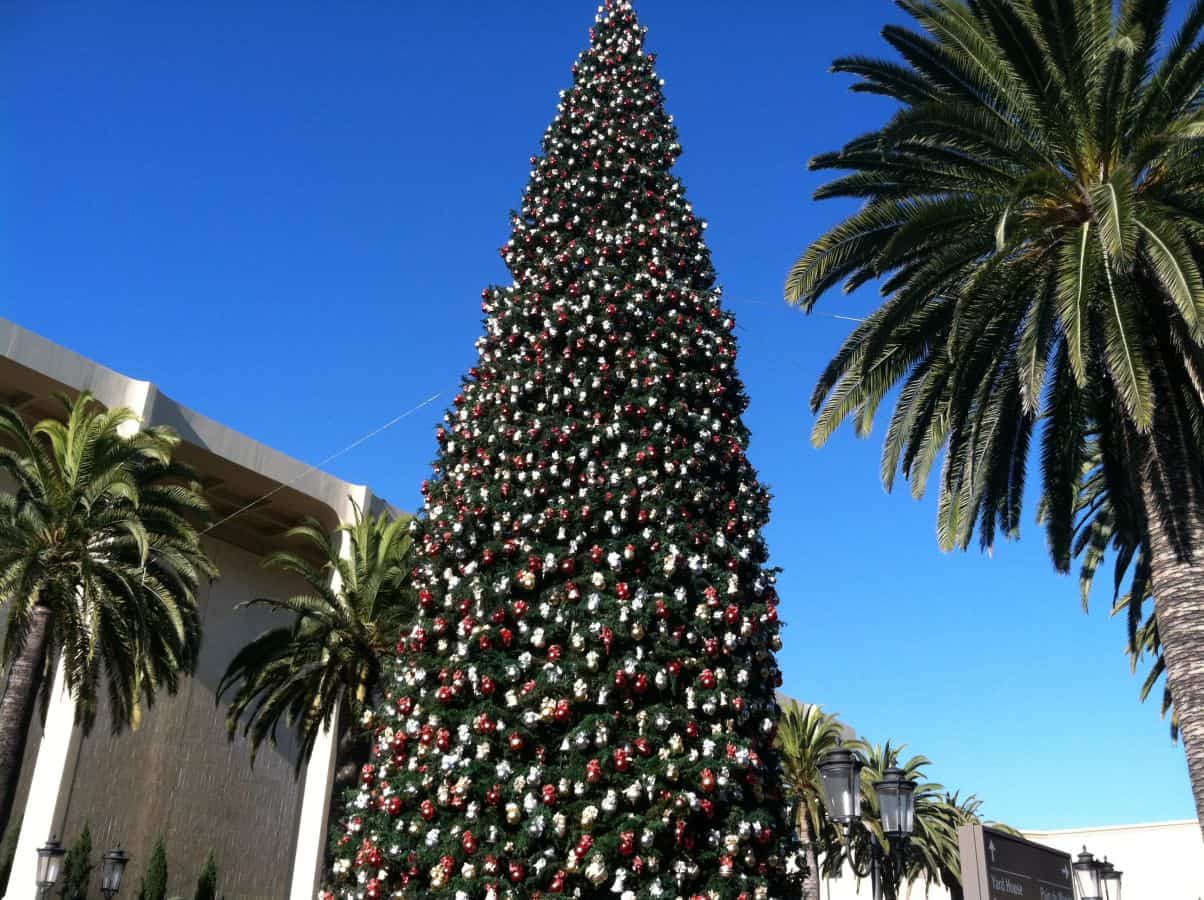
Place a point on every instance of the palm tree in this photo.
(331, 653)
(805, 735)
(100, 564)
(1034, 211)
(1108, 523)
(932, 853)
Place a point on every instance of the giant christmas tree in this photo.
(585, 705)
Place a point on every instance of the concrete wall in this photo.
(1160, 861)
(178, 775)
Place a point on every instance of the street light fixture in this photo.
(112, 868)
(896, 803)
(1110, 880)
(1087, 876)
(50, 861)
(840, 778)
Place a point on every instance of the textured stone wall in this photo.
(179, 776)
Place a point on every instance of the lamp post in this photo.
(1096, 880)
(112, 868)
(840, 779)
(1109, 879)
(50, 861)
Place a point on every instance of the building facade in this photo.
(1160, 861)
(178, 776)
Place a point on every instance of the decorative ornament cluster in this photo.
(585, 703)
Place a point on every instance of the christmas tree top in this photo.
(585, 703)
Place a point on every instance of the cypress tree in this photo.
(585, 704)
(77, 867)
(154, 883)
(206, 885)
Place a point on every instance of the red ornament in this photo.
(593, 771)
(622, 761)
(709, 781)
(393, 806)
(469, 843)
(427, 809)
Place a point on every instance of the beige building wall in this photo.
(180, 777)
(1162, 861)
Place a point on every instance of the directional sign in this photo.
(1001, 866)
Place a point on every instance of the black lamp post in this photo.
(840, 778)
(112, 868)
(1086, 876)
(1096, 880)
(50, 861)
(1109, 878)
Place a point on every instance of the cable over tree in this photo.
(585, 705)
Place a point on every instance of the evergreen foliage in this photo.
(154, 882)
(206, 885)
(8, 852)
(77, 867)
(585, 704)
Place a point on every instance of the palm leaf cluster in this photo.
(341, 627)
(932, 854)
(805, 735)
(1034, 213)
(100, 532)
(1109, 524)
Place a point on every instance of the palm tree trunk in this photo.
(811, 881)
(1178, 586)
(17, 705)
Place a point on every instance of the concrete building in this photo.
(178, 776)
(1163, 861)
(1160, 861)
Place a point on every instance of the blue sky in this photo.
(284, 213)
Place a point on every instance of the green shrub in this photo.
(77, 867)
(154, 883)
(206, 885)
(8, 852)
(207, 882)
